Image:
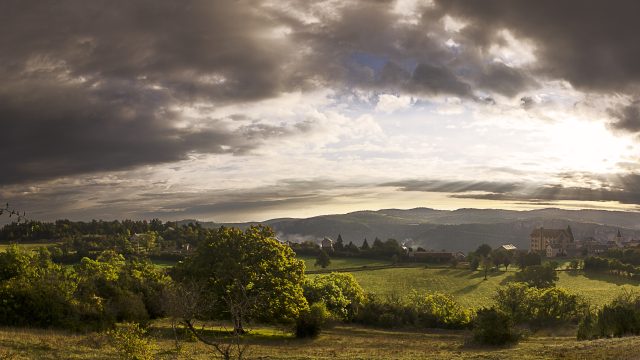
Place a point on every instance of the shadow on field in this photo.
(613, 279)
(508, 279)
(467, 289)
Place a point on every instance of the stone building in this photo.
(552, 242)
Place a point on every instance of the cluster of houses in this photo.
(560, 242)
(548, 242)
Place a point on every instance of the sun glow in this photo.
(586, 146)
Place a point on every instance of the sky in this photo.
(250, 110)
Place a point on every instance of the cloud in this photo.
(433, 79)
(453, 186)
(627, 118)
(624, 188)
(389, 103)
(567, 44)
(504, 79)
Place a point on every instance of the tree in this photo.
(474, 263)
(501, 257)
(323, 260)
(528, 259)
(365, 245)
(339, 245)
(246, 275)
(352, 248)
(483, 250)
(377, 244)
(485, 263)
(538, 276)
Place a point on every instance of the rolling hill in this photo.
(458, 230)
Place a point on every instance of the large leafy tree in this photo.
(245, 275)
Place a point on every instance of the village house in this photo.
(552, 242)
(508, 248)
(327, 244)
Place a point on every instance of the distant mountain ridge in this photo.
(457, 230)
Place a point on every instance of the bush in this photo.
(620, 317)
(539, 307)
(493, 327)
(131, 343)
(340, 292)
(429, 310)
(311, 322)
(437, 310)
(538, 276)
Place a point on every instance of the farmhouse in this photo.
(552, 242)
(508, 247)
(327, 244)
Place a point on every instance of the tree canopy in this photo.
(247, 275)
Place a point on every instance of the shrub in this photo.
(620, 317)
(131, 343)
(438, 310)
(493, 327)
(429, 310)
(538, 276)
(311, 322)
(340, 292)
(540, 307)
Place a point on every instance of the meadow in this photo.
(468, 287)
(28, 246)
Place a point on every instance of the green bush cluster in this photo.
(340, 292)
(540, 276)
(311, 322)
(428, 310)
(614, 266)
(131, 343)
(619, 318)
(539, 307)
(34, 291)
(493, 327)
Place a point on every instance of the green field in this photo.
(468, 287)
(342, 263)
(341, 342)
(28, 246)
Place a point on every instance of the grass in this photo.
(341, 342)
(28, 246)
(470, 289)
(164, 264)
(342, 263)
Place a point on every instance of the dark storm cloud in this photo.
(592, 44)
(193, 48)
(505, 80)
(55, 129)
(432, 79)
(93, 85)
(627, 118)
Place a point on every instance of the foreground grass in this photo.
(341, 342)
